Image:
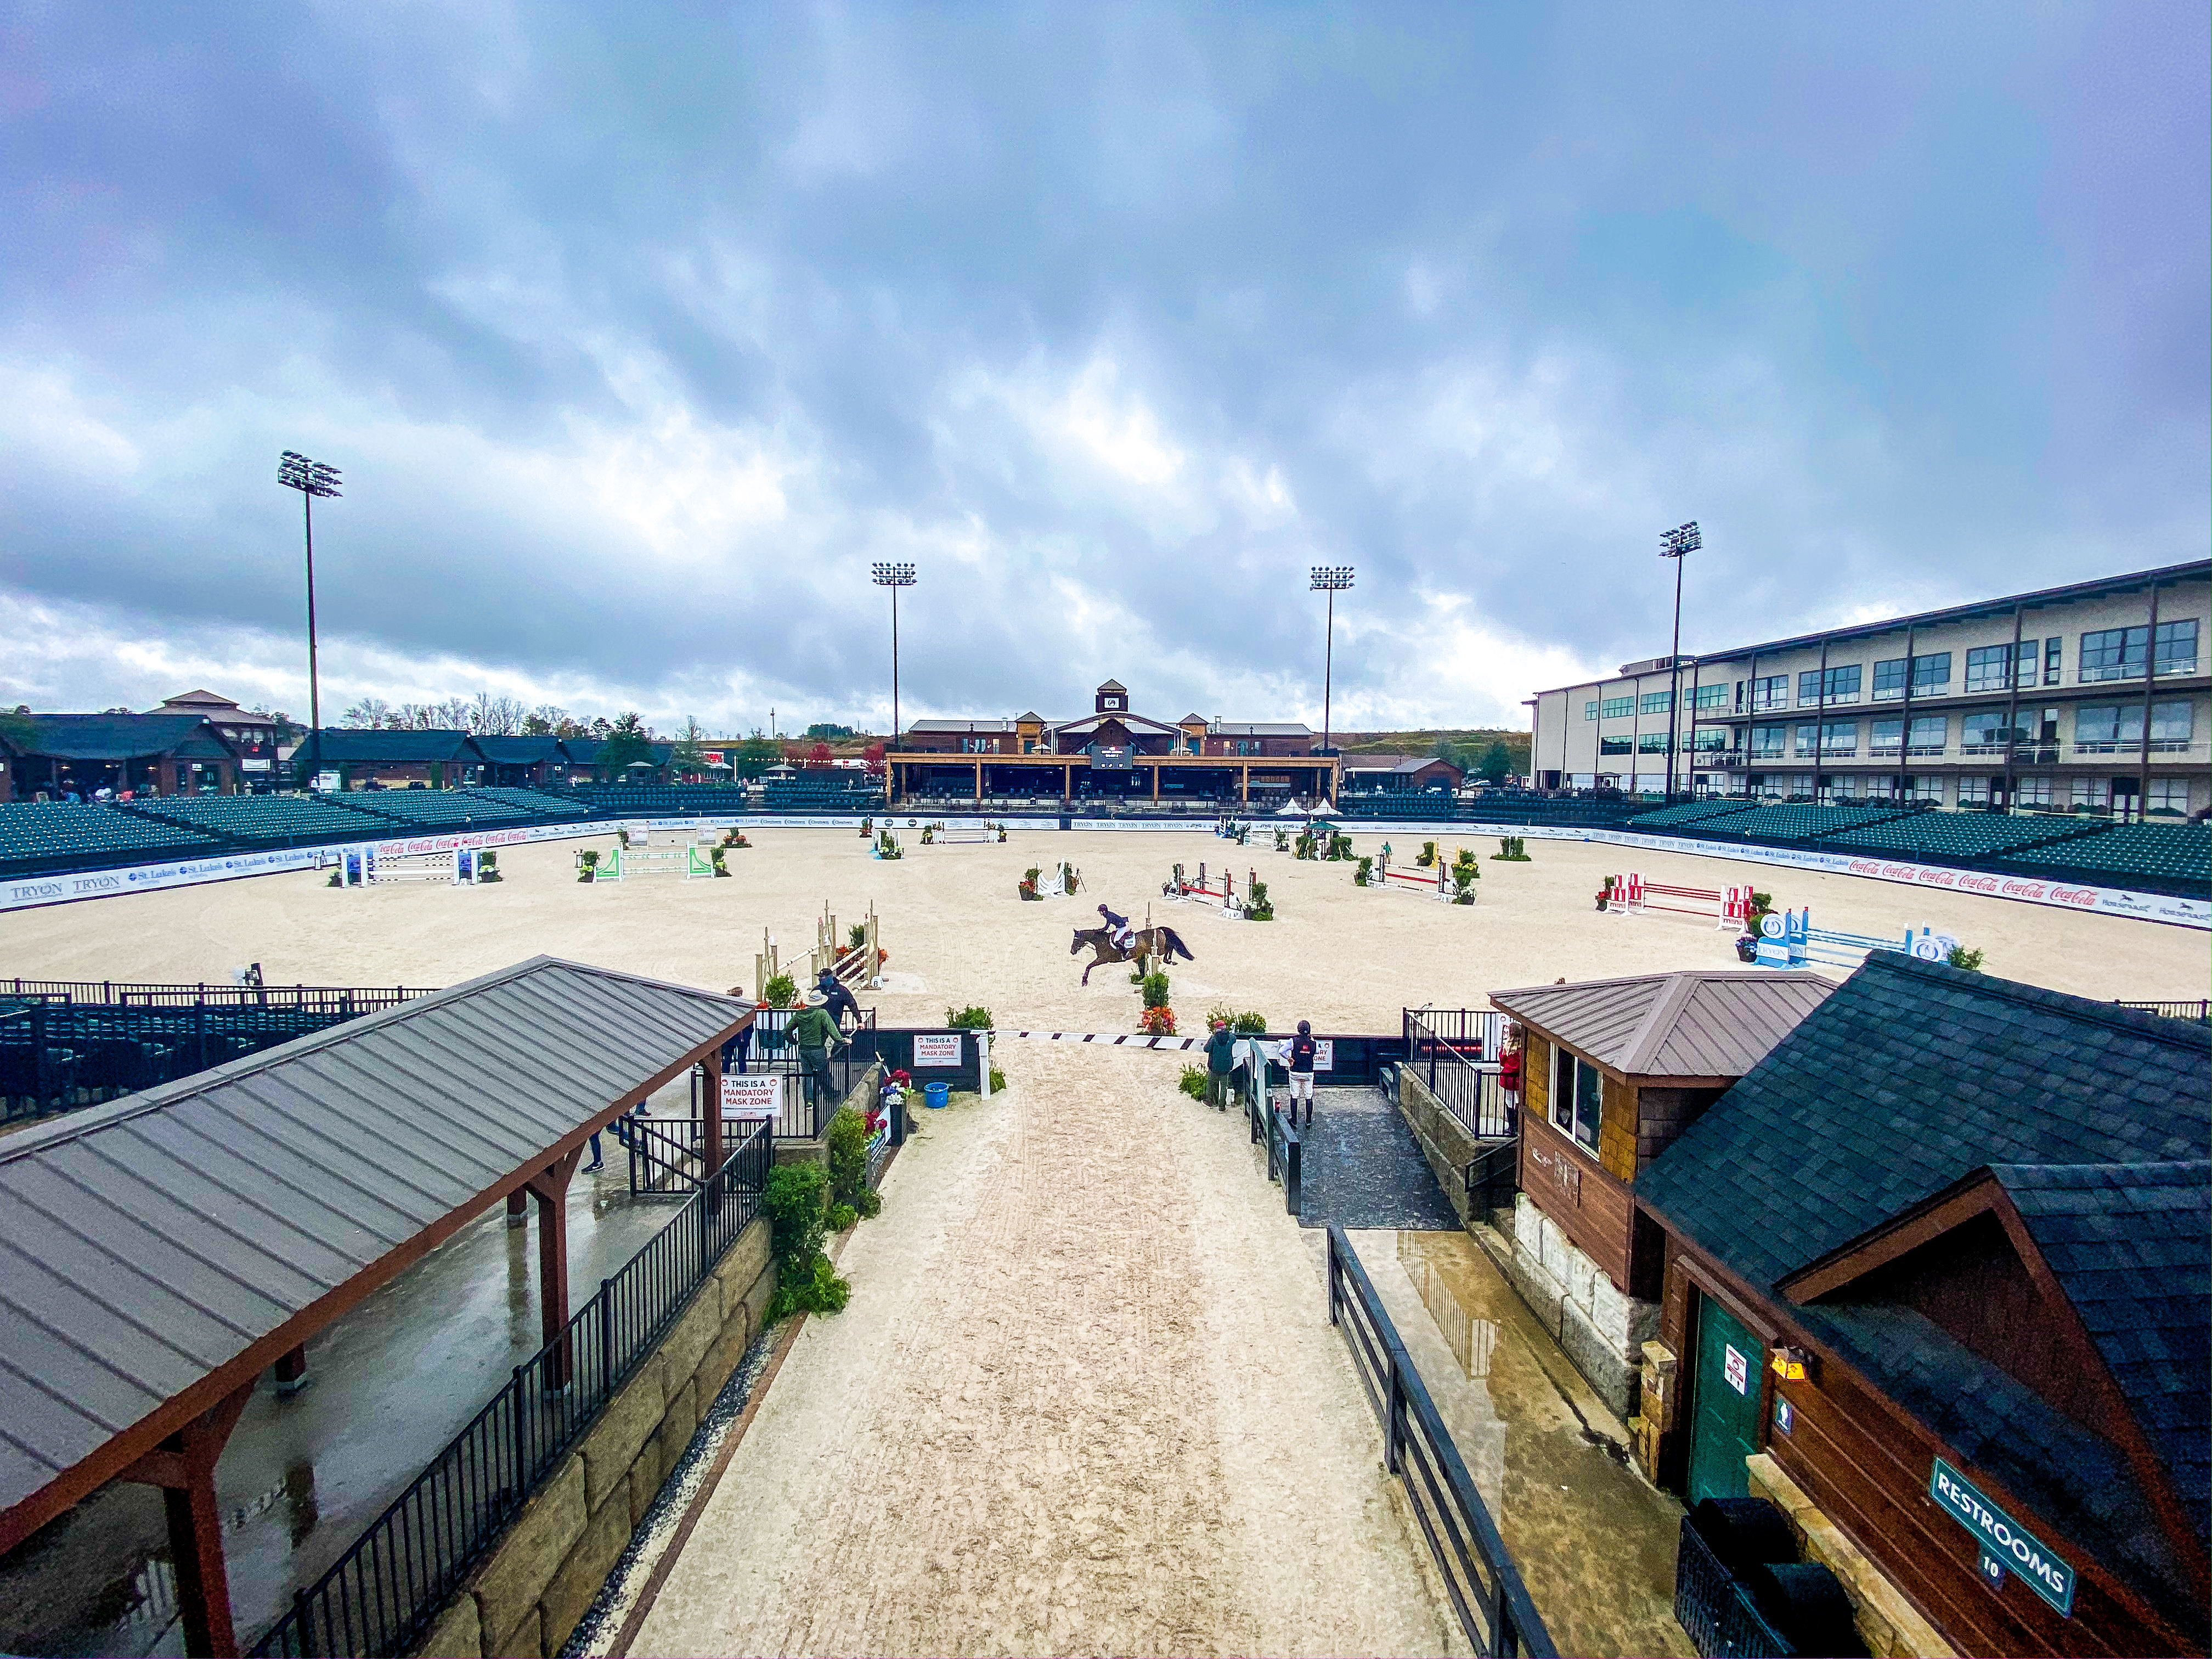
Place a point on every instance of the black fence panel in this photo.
(383, 1593)
(1493, 1605)
(1454, 1052)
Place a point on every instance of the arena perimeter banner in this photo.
(28, 892)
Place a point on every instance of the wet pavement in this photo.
(1362, 1168)
(1594, 1542)
(303, 1476)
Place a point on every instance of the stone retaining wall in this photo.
(1888, 1624)
(545, 1572)
(1448, 1144)
(1601, 1328)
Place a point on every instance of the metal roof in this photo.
(369, 746)
(1715, 1023)
(163, 1247)
(122, 736)
(515, 750)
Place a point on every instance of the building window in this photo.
(1989, 666)
(1710, 697)
(1923, 789)
(1578, 1096)
(1619, 709)
(1973, 791)
(979, 746)
(1807, 735)
(2103, 728)
(2172, 725)
(2092, 794)
(1618, 745)
(1889, 680)
(2177, 646)
(1767, 741)
(1709, 737)
(1656, 703)
(1931, 674)
(2052, 649)
(1590, 709)
(1836, 686)
(1930, 734)
(1880, 789)
(1886, 737)
(2169, 795)
(2112, 653)
(1770, 692)
(1840, 738)
(2032, 792)
(1651, 743)
(1983, 733)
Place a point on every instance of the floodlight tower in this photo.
(1331, 580)
(1677, 545)
(311, 478)
(893, 576)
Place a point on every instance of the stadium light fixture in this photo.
(1677, 545)
(893, 576)
(1331, 580)
(311, 478)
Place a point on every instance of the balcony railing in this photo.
(2134, 746)
(1924, 748)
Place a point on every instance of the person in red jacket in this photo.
(1509, 1069)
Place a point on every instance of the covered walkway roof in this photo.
(165, 1249)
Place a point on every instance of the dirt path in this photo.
(1085, 1399)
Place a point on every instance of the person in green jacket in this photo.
(811, 1031)
(1220, 1060)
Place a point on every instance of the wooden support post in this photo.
(518, 1207)
(979, 781)
(292, 1370)
(549, 1186)
(1245, 784)
(183, 1466)
(710, 1108)
(1156, 783)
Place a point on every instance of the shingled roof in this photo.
(1705, 1023)
(123, 737)
(2127, 1244)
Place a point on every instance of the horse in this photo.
(1161, 942)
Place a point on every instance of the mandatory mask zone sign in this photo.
(2007, 1546)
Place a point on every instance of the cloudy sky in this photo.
(640, 331)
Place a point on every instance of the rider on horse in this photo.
(1124, 935)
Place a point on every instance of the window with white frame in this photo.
(1929, 735)
(1931, 674)
(1973, 791)
(2030, 792)
(1840, 738)
(1590, 709)
(1925, 788)
(1770, 692)
(2112, 653)
(2105, 728)
(2091, 792)
(2172, 725)
(1885, 737)
(1577, 1098)
(1989, 666)
(1889, 680)
(1807, 735)
(1983, 732)
(2169, 795)
(1767, 741)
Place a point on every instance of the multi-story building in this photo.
(1111, 751)
(2093, 696)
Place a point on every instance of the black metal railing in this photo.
(1455, 1051)
(353, 998)
(1285, 1153)
(385, 1589)
(804, 1107)
(2199, 1011)
(57, 1051)
(1493, 1605)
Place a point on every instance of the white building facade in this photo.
(2096, 696)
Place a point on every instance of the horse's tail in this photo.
(1174, 944)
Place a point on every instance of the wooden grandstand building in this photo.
(171, 752)
(1112, 753)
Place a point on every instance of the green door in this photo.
(1724, 1404)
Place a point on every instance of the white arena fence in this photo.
(28, 892)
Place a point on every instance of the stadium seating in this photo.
(264, 820)
(2168, 853)
(1956, 834)
(1796, 823)
(1695, 811)
(1415, 806)
(443, 809)
(832, 794)
(536, 802)
(59, 835)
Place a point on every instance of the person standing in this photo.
(1508, 1072)
(811, 1031)
(1300, 1053)
(1220, 1061)
(841, 1001)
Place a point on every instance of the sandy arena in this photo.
(1345, 957)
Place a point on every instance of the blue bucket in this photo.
(935, 1095)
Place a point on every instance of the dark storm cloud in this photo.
(638, 336)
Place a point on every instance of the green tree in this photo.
(756, 755)
(628, 740)
(1496, 764)
(825, 729)
(689, 753)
